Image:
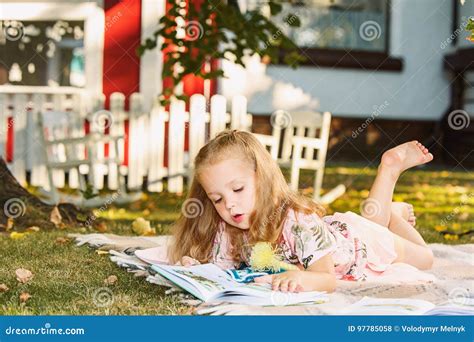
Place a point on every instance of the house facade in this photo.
(388, 70)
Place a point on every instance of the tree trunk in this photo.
(27, 210)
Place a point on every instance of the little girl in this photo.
(245, 199)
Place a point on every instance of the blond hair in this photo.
(194, 234)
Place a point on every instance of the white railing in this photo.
(149, 135)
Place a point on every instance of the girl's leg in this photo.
(411, 253)
(377, 207)
(405, 210)
(398, 225)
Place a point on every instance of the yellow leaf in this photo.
(440, 228)
(451, 237)
(142, 227)
(151, 232)
(456, 225)
(419, 195)
(17, 236)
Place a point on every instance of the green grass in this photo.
(70, 280)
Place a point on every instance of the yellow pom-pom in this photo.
(265, 258)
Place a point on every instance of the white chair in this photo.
(299, 141)
(67, 148)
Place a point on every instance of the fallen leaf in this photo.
(111, 280)
(10, 223)
(151, 232)
(17, 236)
(33, 229)
(62, 240)
(142, 227)
(266, 59)
(451, 237)
(23, 275)
(55, 218)
(3, 288)
(419, 195)
(151, 206)
(101, 227)
(24, 296)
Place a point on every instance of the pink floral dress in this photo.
(359, 247)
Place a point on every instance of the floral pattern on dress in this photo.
(350, 260)
(312, 240)
(221, 249)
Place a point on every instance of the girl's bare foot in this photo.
(405, 210)
(405, 156)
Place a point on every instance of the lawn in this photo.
(70, 280)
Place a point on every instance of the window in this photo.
(42, 53)
(338, 24)
(338, 33)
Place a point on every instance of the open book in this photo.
(408, 306)
(210, 283)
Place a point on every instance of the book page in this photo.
(388, 306)
(208, 282)
(208, 279)
(262, 294)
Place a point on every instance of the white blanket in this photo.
(451, 277)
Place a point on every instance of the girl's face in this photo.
(230, 185)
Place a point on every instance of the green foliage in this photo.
(217, 30)
(89, 192)
(470, 27)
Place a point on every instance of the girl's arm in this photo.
(319, 276)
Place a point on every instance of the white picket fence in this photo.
(19, 109)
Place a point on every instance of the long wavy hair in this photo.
(194, 232)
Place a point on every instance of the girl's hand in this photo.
(319, 276)
(289, 281)
(188, 261)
